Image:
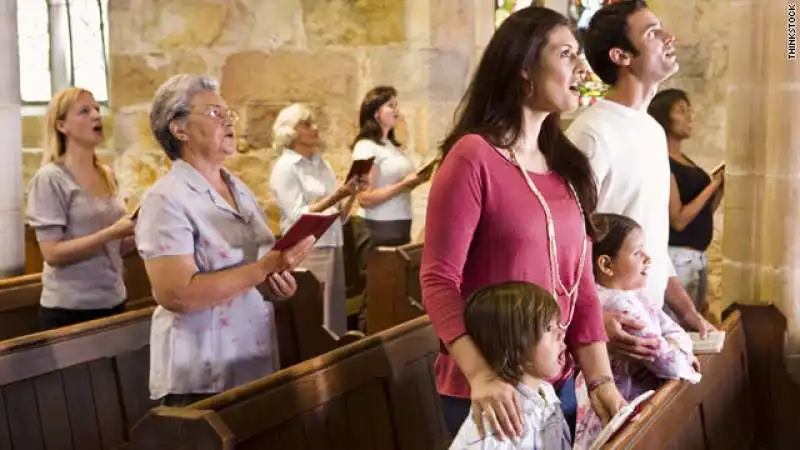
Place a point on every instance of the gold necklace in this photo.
(572, 294)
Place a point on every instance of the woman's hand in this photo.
(286, 260)
(626, 344)
(498, 402)
(282, 285)
(606, 401)
(124, 227)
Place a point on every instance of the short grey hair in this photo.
(284, 130)
(172, 102)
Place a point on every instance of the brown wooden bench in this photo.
(86, 384)
(19, 298)
(717, 413)
(377, 393)
(79, 387)
(393, 290)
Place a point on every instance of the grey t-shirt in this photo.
(60, 209)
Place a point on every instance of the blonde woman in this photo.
(303, 182)
(80, 221)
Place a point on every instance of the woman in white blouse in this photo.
(386, 203)
(303, 182)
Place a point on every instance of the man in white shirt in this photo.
(629, 50)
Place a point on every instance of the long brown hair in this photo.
(506, 320)
(369, 128)
(492, 105)
(55, 146)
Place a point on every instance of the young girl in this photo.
(515, 325)
(620, 267)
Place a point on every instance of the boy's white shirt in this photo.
(544, 426)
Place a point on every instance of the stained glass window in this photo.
(85, 50)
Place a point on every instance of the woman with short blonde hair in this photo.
(303, 182)
(79, 219)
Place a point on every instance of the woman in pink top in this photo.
(510, 203)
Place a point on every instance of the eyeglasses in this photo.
(218, 112)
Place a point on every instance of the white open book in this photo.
(622, 417)
(713, 342)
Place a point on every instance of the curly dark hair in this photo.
(611, 230)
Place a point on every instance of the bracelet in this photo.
(597, 382)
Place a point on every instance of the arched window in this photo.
(62, 43)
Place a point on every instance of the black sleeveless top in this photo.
(691, 181)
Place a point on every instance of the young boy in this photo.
(516, 327)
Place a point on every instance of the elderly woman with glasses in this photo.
(206, 247)
(303, 182)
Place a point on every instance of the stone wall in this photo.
(268, 53)
(701, 29)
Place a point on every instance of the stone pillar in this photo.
(761, 245)
(12, 236)
(60, 51)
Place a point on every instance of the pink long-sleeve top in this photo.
(484, 226)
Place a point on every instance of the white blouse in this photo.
(296, 182)
(391, 166)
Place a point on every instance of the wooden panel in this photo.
(776, 398)
(293, 436)
(316, 429)
(80, 403)
(338, 423)
(52, 402)
(369, 416)
(32, 355)
(23, 416)
(5, 433)
(133, 374)
(107, 402)
(690, 436)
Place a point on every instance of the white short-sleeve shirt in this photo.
(627, 150)
(296, 182)
(391, 166)
(218, 348)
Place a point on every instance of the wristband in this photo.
(597, 382)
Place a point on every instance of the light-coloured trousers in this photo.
(691, 267)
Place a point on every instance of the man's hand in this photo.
(696, 322)
(622, 342)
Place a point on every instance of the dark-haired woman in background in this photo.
(386, 203)
(693, 197)
(511, 202)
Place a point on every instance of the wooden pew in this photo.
(393, 290)
(377, 393)
(19, 298)
(88, 383)
(79, 387)
(717, 413)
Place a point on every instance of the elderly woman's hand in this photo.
(282, 261)
(282, 285)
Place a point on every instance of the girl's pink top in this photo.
(485, 226)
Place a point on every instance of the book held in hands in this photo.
(360, 168)
(309, 224)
